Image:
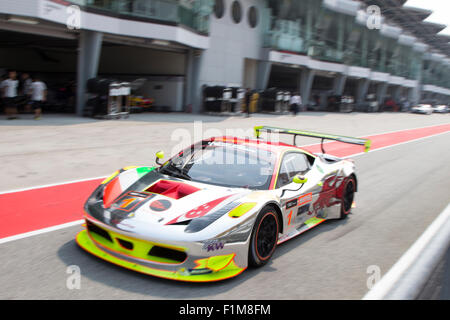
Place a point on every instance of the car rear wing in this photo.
(358, 141)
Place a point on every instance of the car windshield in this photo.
(223, 164)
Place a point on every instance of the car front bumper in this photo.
(208, 268)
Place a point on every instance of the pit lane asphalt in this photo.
(401, 190)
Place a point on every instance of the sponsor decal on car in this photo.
(213, 245)
(140, 194)
(304, 199)
(291, 203)
(160, 205)
(130, 201)
(199, 211)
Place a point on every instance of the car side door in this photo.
(295, 199)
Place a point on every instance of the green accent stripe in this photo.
(142, 171)
(313, 222)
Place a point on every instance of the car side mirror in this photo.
(159, 157)
(300, 179)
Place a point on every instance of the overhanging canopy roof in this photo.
(412, 20)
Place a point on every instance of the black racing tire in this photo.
(264, 237)
(348, 195)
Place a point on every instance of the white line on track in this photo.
(395, 145)
(78, 222)
(51, 185)
(41, 231)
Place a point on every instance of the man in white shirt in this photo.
(9, 93)
(38, 96)
(295, 102)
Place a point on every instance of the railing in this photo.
(433, 80)
(285, 42)
(285, 35)
(191, 13)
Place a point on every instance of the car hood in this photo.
(154, 203)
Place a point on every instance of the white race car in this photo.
(422, 109)
(218, 206)
(441, 109)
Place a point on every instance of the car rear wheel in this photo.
(264, 237)
(347, 197)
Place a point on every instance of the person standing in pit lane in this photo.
(295, 103)
(9, 93)
(38, 96)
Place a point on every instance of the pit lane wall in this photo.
(415, 271)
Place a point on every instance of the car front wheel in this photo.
(264, 237)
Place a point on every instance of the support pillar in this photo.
(397, 93)
(89, 49)
(306, 82)
(361, 93)
(409, 94)
(339, 84)
(381, 92)
(188, 85)
(263, 75)
(415, 95)
(194, 97)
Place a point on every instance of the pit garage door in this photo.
(53, 59)
(159, 71)
(284, 78)
(160, 67)
(321, 89)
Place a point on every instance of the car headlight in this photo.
(242, 209)
(94, 204)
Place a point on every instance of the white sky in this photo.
(440, 8)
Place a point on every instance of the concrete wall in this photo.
(23, 7)
(167, 92)
(230, 43)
